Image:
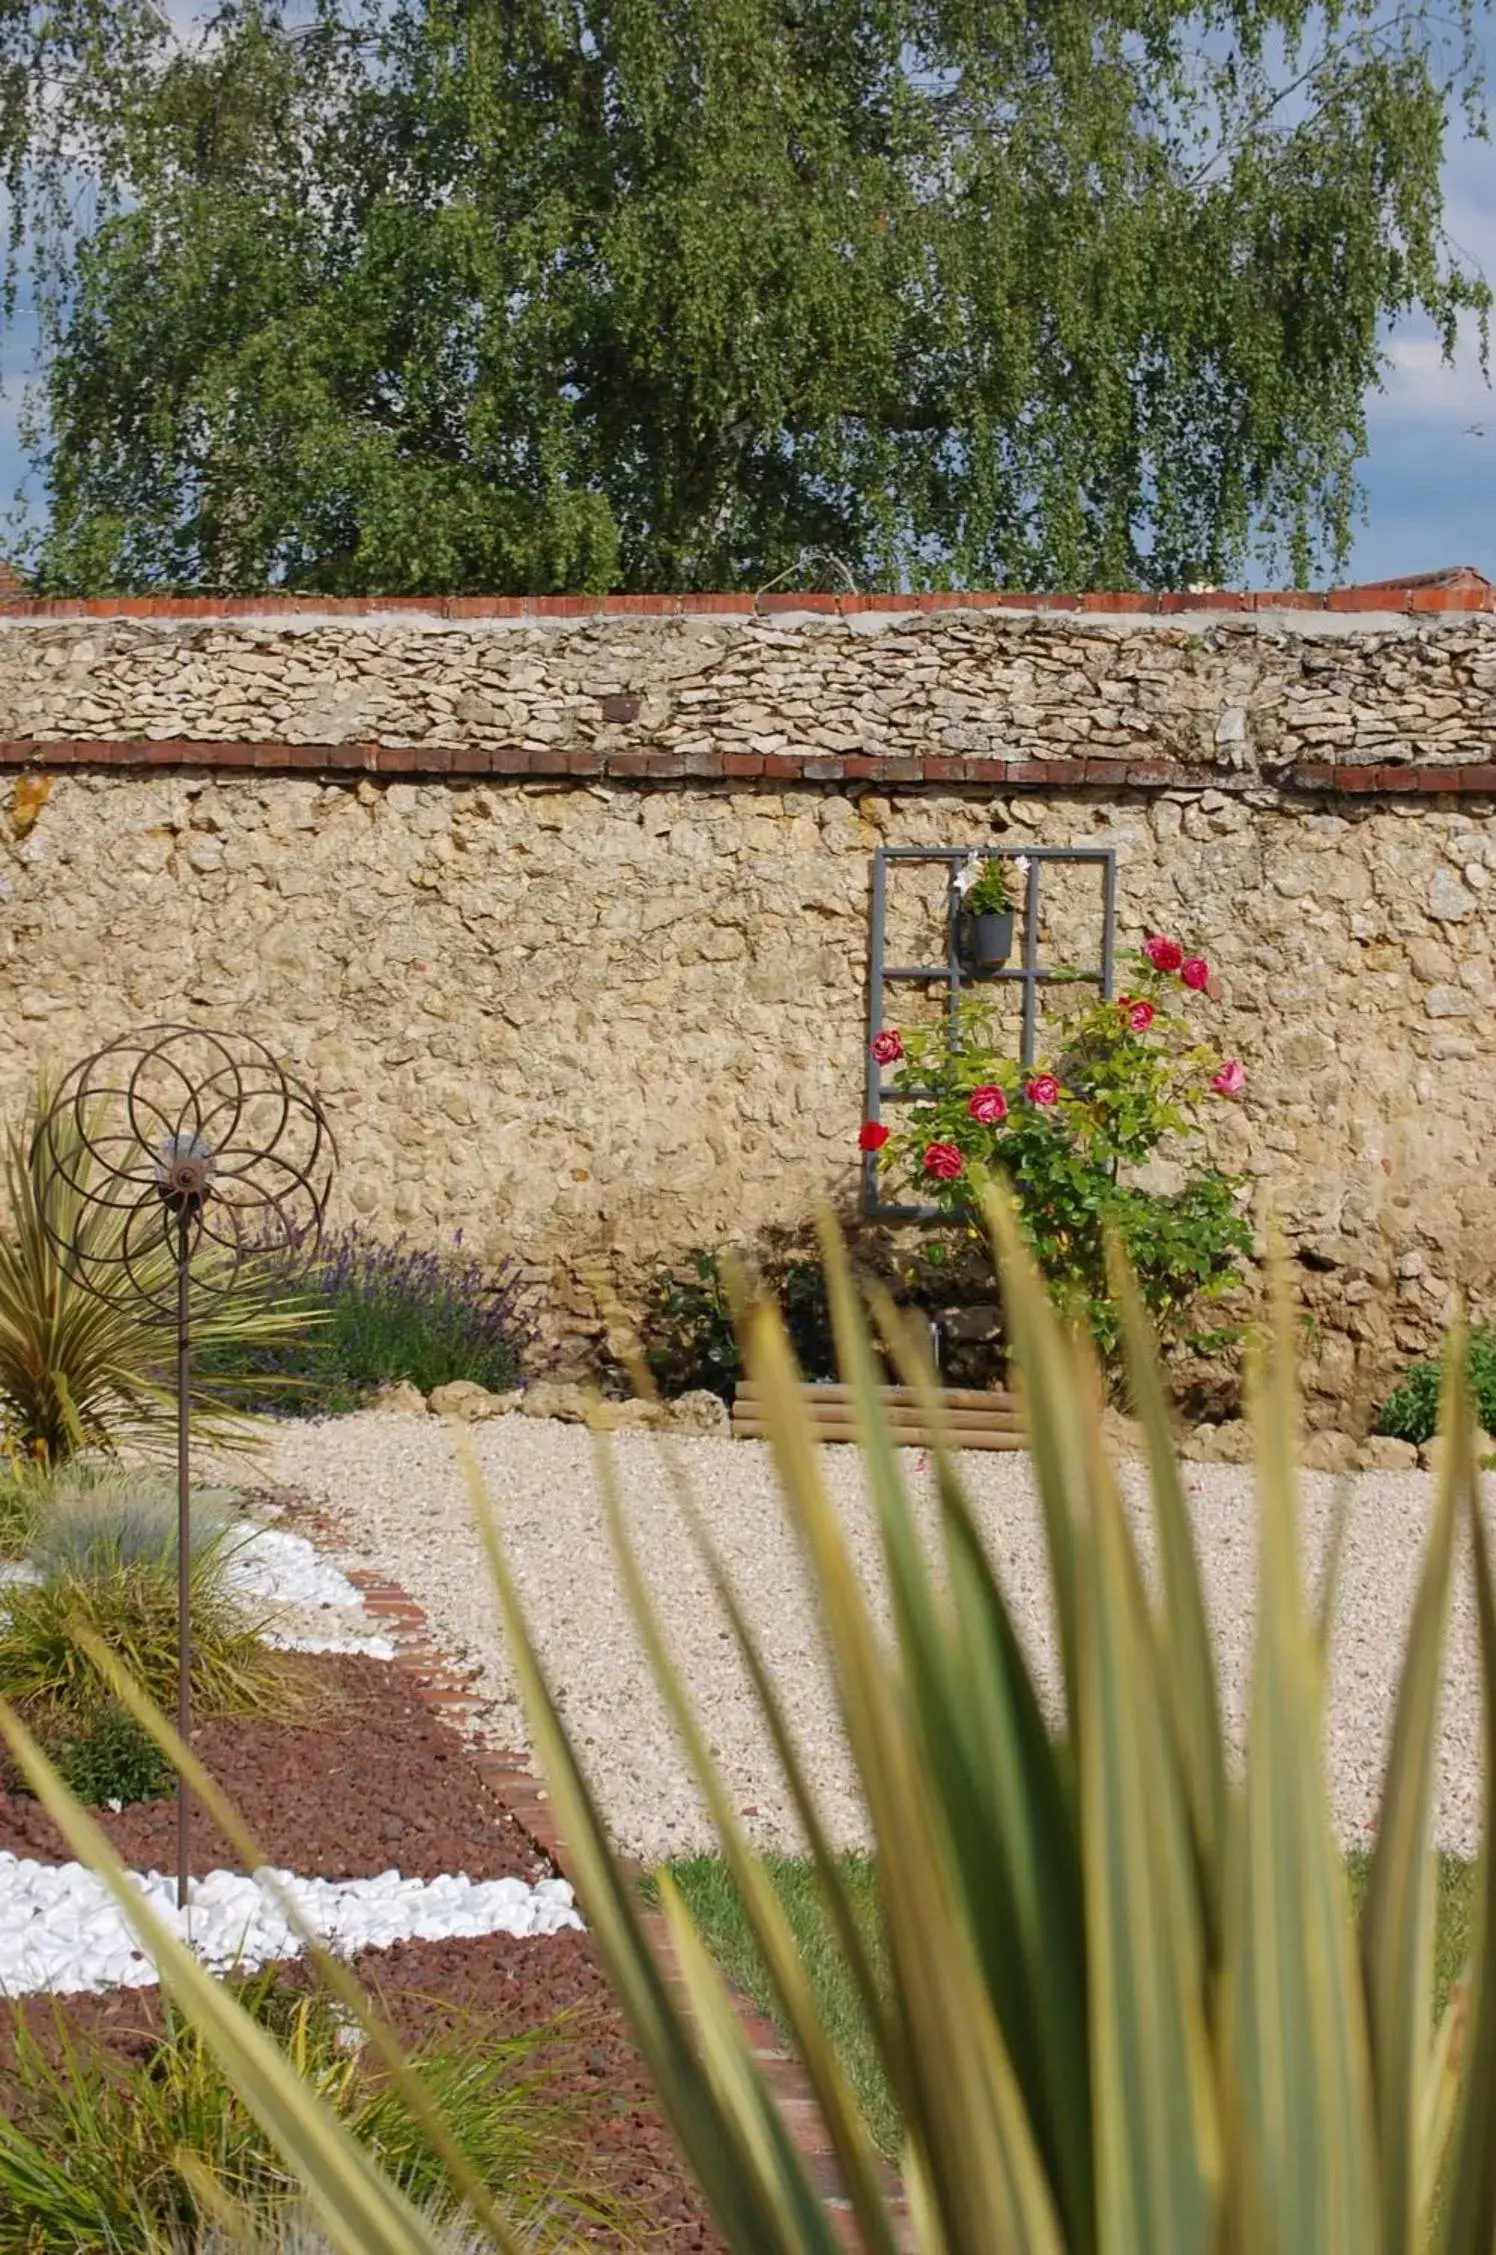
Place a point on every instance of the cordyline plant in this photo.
(1068, 1134)
(1127, 2007)
(80, 1372)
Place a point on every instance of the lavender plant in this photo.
(429, 1314)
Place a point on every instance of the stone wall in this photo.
(951, 695)
(624, 1011)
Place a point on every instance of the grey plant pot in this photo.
(988, 939)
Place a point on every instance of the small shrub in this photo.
(93, 2150)
(390, 1312)
(112, 1759)
(1411, 1410)
(689, 1340)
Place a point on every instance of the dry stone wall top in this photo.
(1288, 696)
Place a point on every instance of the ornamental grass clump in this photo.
(103, 1522)
(1123, 2001)
(121, 1591)
(141, 2151)
(1069, 1136)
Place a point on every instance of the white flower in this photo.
(1021, 863)
(967, 874)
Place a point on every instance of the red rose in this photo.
(887, 1047)
(987, 1104)
(1043, 1089)
(1139, 1015)
(943, 1159)
(871, 1136)
(1230, 1080)
(1164, 955)
(1195, 972)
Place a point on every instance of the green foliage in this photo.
(1129, 2002)
(991, 891)
(707, 1890)
(131, 1607)
(294, 2230)
(1067, 1137)
(363, 295)
(689, 1337)
(92, 2153)
(20, 1503)
(110, 1758)
(79, 1372)
(1411, 1410)
(386, 1311)
(1126, 2001)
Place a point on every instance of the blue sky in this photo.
(1430, 475)
(1430, 472)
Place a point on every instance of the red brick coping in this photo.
(888, 771)
(509, 1776)
(1459, 588)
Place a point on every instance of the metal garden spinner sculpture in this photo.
(198, 1164)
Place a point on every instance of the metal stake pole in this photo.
(184, 1540)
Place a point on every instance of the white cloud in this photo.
(1421, 386)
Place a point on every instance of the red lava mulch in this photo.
(375, 1783)
(378, 1781)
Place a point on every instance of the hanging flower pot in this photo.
(988, 938)
(984, 928)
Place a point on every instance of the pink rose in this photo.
(987, 1104)
(944, 1160)
(1043, 1089)
(871, 1136)
(1230, 1080)
(887, 1047)
(1164, 955)
(1139, 1015)
(1195, 972)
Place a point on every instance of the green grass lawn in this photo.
(712, 1900)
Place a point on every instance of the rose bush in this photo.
(1071, 1133)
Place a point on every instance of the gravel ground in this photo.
(391, 1485)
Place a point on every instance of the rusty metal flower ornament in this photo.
(194, 1141)
(194, 1162)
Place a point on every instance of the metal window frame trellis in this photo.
(1030, 972)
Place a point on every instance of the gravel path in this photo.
(391, 1485)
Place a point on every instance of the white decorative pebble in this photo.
(273, 1563)
(60, 1928)
(367, 1646)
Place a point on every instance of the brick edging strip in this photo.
(509, 1777)
(628, 763)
